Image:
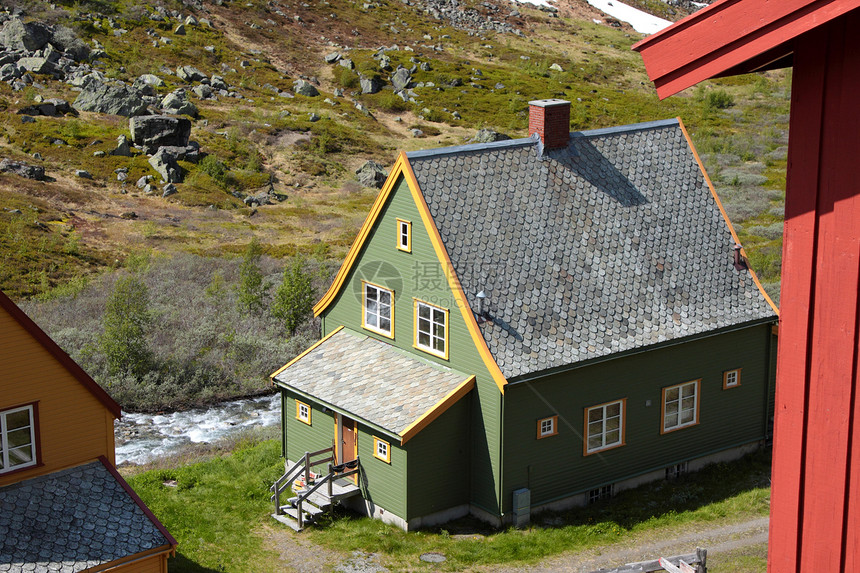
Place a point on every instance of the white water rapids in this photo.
(141, 438)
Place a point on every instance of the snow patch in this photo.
(543, 3)
(642, 22)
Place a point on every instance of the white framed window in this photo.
(303, 412)
(17, 439)
(404, 235)
(680, 406)
(381, 450)
(600, 493)
(378, 310)
(431, 329)
(604, 426)
(731, 378)
(547, 427)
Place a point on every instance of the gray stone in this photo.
(385, 63)
(99, 153)
(122, 147)
(202, 91)
(115, 99)
(180, 30)
(305, 88)
(370, 85)
(23, 169)
(17, 35)
(347, 63)
(417, 132)
(190, 21)
(149, 80)
(154, 131)
(313, 117)
(371, 174)
(556, 68)
(83, 174)
(190, 74)
(165, 165)
(424, 66)
(218, 83)
(27, 119)
(37, 65)
(168, 190)
(332, 58)
(8, 72)
(488, 136)
(143, 181)
(177, 103)
(66, 40)
(401, 79)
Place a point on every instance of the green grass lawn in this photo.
(218, 509)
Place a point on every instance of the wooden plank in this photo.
(796, 301)
(833, 348)
(728, 34)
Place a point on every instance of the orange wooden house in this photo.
(63, 506)
(815, 498)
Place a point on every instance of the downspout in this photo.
(502, 457)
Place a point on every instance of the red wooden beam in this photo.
(731, 34)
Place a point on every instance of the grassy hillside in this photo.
(71, 226)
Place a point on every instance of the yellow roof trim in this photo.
(725, 215)
(363, 234)
(300, 356)
(453, 281)
(440, 408)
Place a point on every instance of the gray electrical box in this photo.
(522, 507)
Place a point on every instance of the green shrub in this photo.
(126, 321)
(345, 78)
(211, 166)
(295, 296)
(252, 288)
(718, 99)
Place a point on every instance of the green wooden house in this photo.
(531, 324)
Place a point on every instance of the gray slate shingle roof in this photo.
(371, 380)
(71, 520)
(611, 244)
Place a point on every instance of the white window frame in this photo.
(4, 440)
(672, 418)
(547, 427)
(381, 450)
(372, 320)
(590, 428)
(435, 311)
(404, 235)
(303, 416)
(731, 378)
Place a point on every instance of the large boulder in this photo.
(165, 165)
(23, 169)
(37, 65)
(116, 99)
(401, 79)
(66, 40)
(190, 74)
(154, 131)
(16, 35)
(370, 85)
(488, 136)
(51, 107)
(177, 103)
(305, 88)
(371, 174)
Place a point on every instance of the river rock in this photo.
(370, 85)
(116, 99)
(154, 131)
(177, 103)
(23, 169)
(16, 35)
(371, 174)
(305, 88)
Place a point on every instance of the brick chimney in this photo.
(550, 118)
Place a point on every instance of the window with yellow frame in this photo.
(303, 412)
(381, 450)
(404, 235)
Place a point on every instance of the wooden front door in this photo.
(348, 444)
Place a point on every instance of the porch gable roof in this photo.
(375, 382)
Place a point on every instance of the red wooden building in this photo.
(815, 504)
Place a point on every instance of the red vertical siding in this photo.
(817, 374)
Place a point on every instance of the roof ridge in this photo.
(626, 128)
(520, 142)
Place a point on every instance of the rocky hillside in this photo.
(196, 126)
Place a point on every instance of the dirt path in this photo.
(300, 555)
(649, 546)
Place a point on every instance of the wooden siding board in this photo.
(443, 444)
(300, 437)
(73, 426)
(555, 467)
(419, 274)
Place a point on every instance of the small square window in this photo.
(303, 412)
(404, 235)
(731, 378)
(600, 493)
(381, 450)
(676, 471)
(547, 427)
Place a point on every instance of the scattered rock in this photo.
(83, 174)
(190, 74)
(488, 136)
(143, 181)
(23, 169)
(305, 88)
(27, 119)
(312, 117)
(556, 68)
(122, 147)
(128, 215)
(165, 165)
(347, 63)
(417, 132)
(50, 107)
(99, 153)
(180, 30)
(202, 91)
(153, 131)
(177, 103)
(116, 99)
(17, 35)
(370, 85)
(332, 58)
(401, 79)
(168, 190)
(371, 174)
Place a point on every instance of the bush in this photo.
(295, 296)
(251, 289)
(211, 166)
(718, 99)
(126, 321)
